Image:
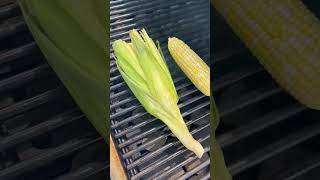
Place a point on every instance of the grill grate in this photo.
(43, 135)
(264, 132)
(147, 148)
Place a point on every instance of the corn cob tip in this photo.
(170, 39)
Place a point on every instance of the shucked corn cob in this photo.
(191, 64)
(144, 69)
(73, 43)
(284, 36)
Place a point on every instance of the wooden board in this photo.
(116, 168)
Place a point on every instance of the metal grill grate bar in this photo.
(195, 170)
(159, 138)
(42, 128)
(152, 130)
(19, 52)
(143, 114)
(86, 172)
(30, 103)
(8, 10)
(169, 145)
(258, 125)
(47, 157)
(24, 77)
(275, 148)
(149, 169)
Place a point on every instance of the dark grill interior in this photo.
(264, 132)
(145, 145)
(43, 135)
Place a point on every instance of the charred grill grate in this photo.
(264, 132)
(146, 147)
(43, 135)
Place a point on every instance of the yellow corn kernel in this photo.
(191, 64)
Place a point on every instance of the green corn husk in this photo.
(72, 35)
(218, 168)
(144, 69)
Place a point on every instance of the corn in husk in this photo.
(72, 36)
(142, 66)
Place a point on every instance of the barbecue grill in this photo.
(264, 132)
(147, 149)
(43, 134)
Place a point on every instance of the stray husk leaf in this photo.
(73, 43)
